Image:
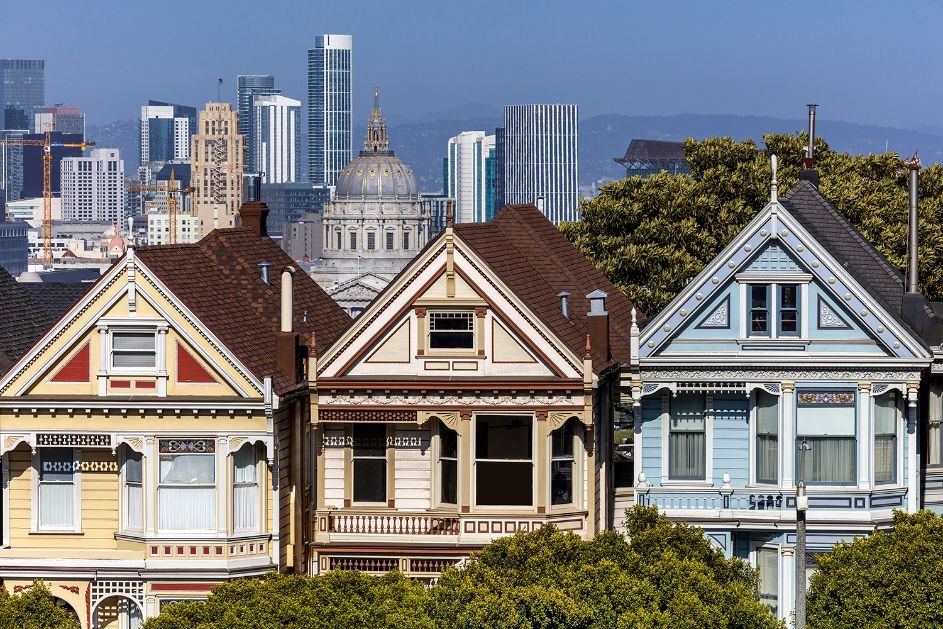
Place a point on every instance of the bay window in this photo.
(186, 491)
(369, 462)
(767, 565)
(57, 488)
(504, 460)
(448, 465)
(562, 464)
(886, 410)
(766, 409)
(687, 442)
(133, 490)
(826, 420)
(245, 489)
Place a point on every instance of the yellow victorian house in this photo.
(151, 439)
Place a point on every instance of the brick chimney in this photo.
(597, 322)
(254, 215)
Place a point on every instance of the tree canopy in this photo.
(34, 608)
(664, 575)
(651, 236)
(891, 578)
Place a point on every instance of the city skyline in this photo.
(548, 57)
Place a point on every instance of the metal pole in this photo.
(802, 505)
(912, 227)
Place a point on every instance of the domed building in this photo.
(375, 224)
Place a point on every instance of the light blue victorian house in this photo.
(799, 331)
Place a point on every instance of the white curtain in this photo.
(245, 499)
(687, 444)
(885, 438)
(56, 488)
(767, 437)
(831, 460)
(133, 490)
(767, 564)
(186, 498)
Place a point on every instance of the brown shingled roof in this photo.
(537, 262)
(219, 280)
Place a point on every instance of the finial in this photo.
(588, 353)
(773, 194)
(376, 98)
(633, 315)
(914, 163)
(448, 213)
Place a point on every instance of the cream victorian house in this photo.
(151, 438)
(472, 399)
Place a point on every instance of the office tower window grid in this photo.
(330, 123)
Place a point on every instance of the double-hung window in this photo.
(826, 421)
(451, 330)
(57, 471)
(371, 240)
(389, 240)
(133, 350)
(767, 565)
(759, 309)
(767, 437)
(886, 409)
(245, 489)
(773, 310)
(133, 490)
(448, 465)
(504, 460)
(186, 492)
(369, 461)
(687, 439)
(562, 464)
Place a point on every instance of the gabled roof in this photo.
(536, 261)
(29, 310)
(866, 264)
(219, 280)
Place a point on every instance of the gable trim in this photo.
(828, 318)
(719, 319)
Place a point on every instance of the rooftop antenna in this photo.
(810, 149)
(912, 277)
(773, 193)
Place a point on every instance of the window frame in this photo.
(128, 454)
(257, 482)
(160, 484)
(354, 457)
(777, 552)
(707, 400)
(440, 430)
(469, 315)
(146, 370)
(755, 435)
(37, 483)
(573, 458)
(774, 283)
(751, 308)
(853, 481)
(895, 438)
(531, 417)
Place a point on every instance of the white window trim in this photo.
(532, 507)
(463, 351)
(259, 483)
(578, 463)
(195, 533)
(76, 497)
(773, 281)
(436, 450)
(755, 547)
(106, 330)
(779, 436)
(708, 480)
(122, 498)
(898, 432)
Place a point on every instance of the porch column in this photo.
(151, 481)
(787, 581)
(913, 502)
(466, 467)
(865, 435)
(787, 425)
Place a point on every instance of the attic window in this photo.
(451, 330)
(133, 350)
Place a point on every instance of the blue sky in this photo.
(861, 61)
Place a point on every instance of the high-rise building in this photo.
(93, 187)
(22, 90)
(288, 202)
(330, 123)
(166, 131)
(59, 118)
(541, 156)
(498, 168)
(276, 132)
(467, 180)
(33, 161)
(11, 166)
(216, 167)
(247, 87)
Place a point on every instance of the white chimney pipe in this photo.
(288, 299)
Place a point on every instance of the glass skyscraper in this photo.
(248, 86)
(22, 91)
(330, 125)
(541, 157)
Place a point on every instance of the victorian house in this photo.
(472, 399)
(152, 436)
(798, 353)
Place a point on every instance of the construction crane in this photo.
(172, 192)
(47, 145)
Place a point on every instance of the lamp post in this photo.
(802, 505)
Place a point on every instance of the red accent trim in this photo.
(183, 587)
(120, 384)
(219, 550)
(77, 369)
(190, 370)
(145, 384)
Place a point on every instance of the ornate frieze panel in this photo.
(447, 400)
(829, 319)
(654, 377)
(187, 446)
(719, 319)
(367, 415)
(825, 398)
(89, 440)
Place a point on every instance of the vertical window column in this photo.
(767, 437)
(687, 439)
(886, 421)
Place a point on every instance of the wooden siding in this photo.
(413, 468)
(334, 469)
(651, 438)
(731, 439)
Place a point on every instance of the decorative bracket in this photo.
(449, 418)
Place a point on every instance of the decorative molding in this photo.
(650, 388)
(187, 446)
(829, 319)
(719, 319)
(449, 418)
(556, 419)
(764, 373)
(10, 442)
(73, 440)
(825, 398)
(367, 415)
(880, 388)
(773, 388)
(135, 442)
(325, 401)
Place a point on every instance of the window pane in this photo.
(133, 340)
(186, 508)
(55, 505)
(503, 437)
(759, 309)
(562, 441)
(767, 458)
(504, 483)
(244, 465)
(885, 414)
(369, 440)
(135, 359)
(686, 455)
(767, 413)
(134, 495)
(788, 296)
(449, 481)
(448, 442)
(187, 469)
(561, 482)
(370, 480)
(767, 564)
(132, 467)
(831, 460)
(56, 465)
(885, 459)
(622, 457)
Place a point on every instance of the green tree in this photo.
(34, 608)
(337, 600)
(662, 575)
(651, 236)
(891, 578)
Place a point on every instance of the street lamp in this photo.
(802, 505)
